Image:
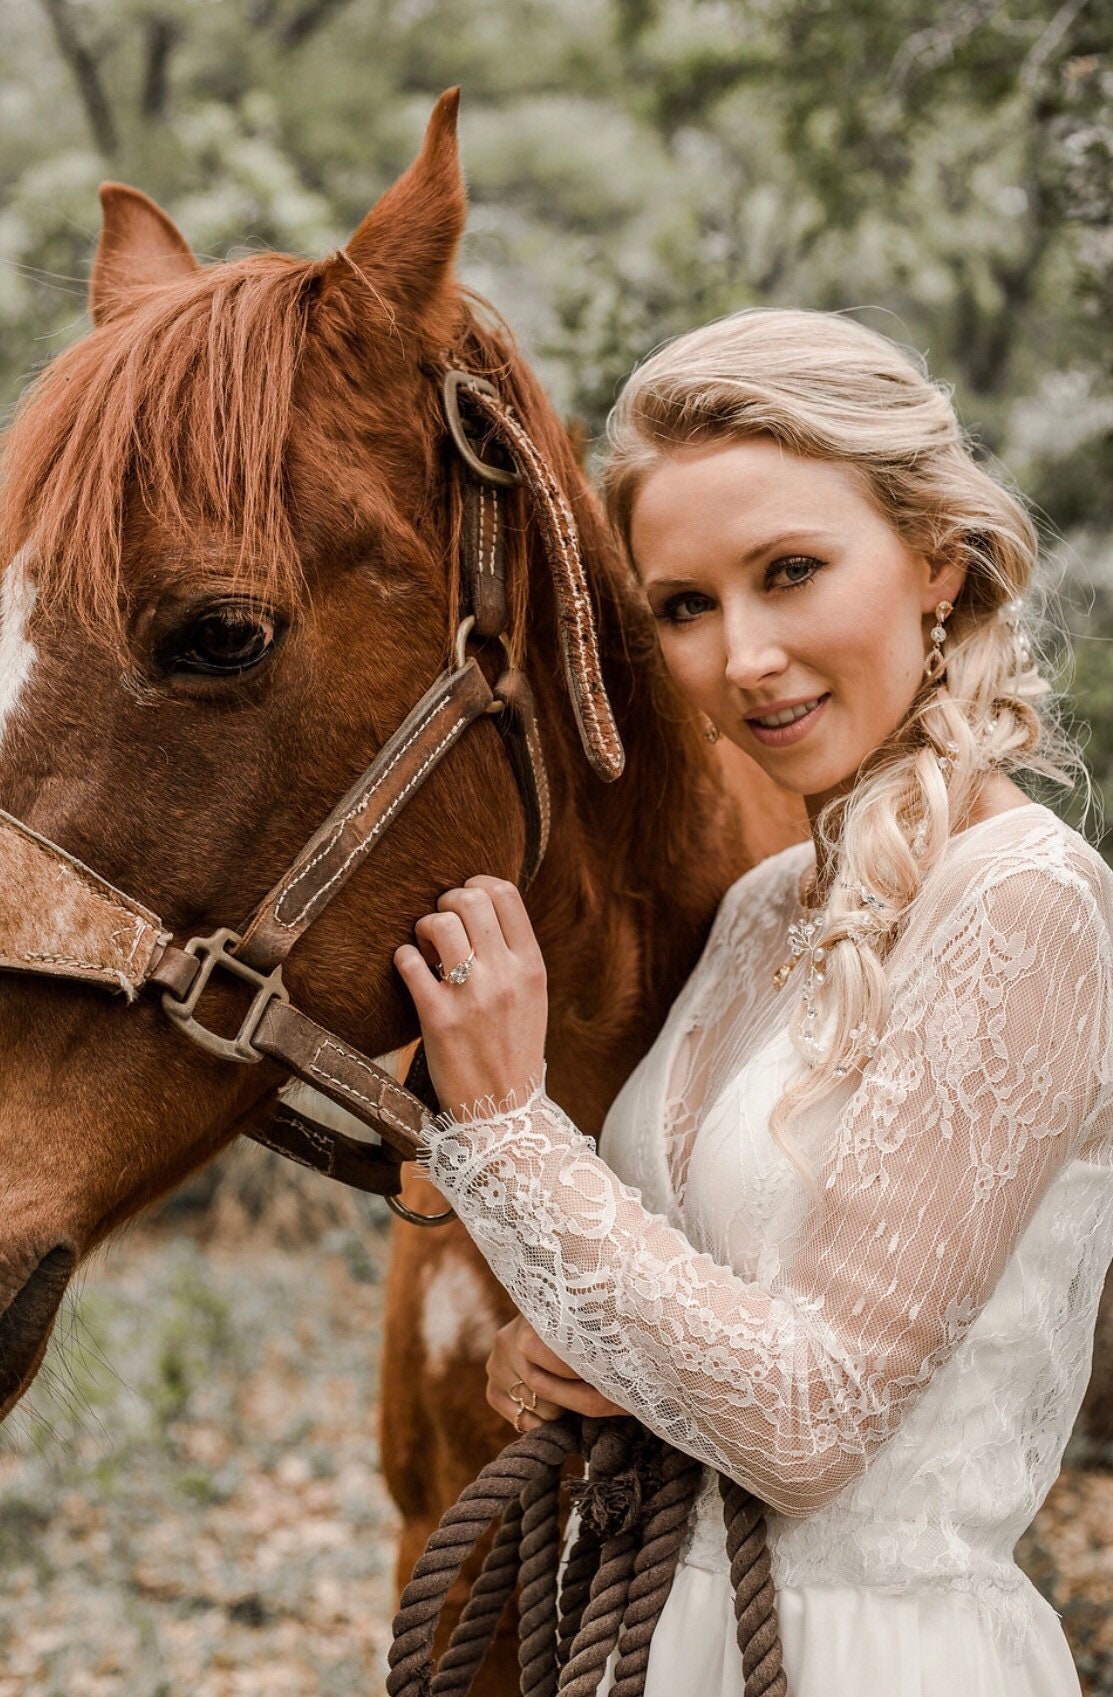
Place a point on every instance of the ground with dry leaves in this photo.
(192, 1503)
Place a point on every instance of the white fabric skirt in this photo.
(854, 1640)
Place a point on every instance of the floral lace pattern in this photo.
(895, 1370)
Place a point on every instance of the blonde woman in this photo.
(861, 1204)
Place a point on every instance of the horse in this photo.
(231, 534)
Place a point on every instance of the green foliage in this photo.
(636, 166)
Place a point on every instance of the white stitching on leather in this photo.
(378, 1106)
(365, 842)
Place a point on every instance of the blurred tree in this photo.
(636, 166)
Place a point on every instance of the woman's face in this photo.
(777, 586)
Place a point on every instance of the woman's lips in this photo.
(784, 735)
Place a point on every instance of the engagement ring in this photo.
(459, 974)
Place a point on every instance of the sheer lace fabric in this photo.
(896, 1370)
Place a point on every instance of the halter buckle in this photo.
(211, 952)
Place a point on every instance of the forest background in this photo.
(637, 167)
(191, 1502)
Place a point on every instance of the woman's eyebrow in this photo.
(775, 542)
(757, 552)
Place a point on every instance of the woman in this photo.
(867, 1210)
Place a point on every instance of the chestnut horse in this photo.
(231, 574)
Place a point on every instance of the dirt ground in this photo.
(190, 1504)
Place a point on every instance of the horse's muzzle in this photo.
(25, 1323)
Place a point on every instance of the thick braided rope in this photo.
(755, 1603)
(582, 1673)
(580, 1570)
(501, 1482)
(666, 1522)
(475, 1630)
(633, 1573)
(538, 1602)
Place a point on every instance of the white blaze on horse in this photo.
(296, 635)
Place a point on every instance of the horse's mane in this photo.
(182, 407)
(182, 404)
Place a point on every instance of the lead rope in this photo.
(635, 1504)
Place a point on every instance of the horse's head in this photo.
(231, 559)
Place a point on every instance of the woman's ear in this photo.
(943, 581)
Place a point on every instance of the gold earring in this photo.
(711, 731)
(935, 663)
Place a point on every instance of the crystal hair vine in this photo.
(1011, 613)
(808, 942)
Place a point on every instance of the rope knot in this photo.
(617, 1502)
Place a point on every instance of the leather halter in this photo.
(61, 919)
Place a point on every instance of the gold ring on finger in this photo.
(521, 1401)
(521, 1410)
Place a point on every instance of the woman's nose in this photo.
(753, 654)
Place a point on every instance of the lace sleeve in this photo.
(993, 1072)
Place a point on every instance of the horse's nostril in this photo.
(26, 1321)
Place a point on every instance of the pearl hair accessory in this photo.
(946, 760)
(874, 918)
(1012, 614)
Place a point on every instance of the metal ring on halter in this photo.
(463, 631)
(413, 1219)
(453, 381)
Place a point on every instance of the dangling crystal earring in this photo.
(711, 731)
(935, 663)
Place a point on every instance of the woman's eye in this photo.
(682, 609)
(221, 642)
(797, 569)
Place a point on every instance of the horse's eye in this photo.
(221, 642)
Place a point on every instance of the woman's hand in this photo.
(485, 1037)
(521, 1363)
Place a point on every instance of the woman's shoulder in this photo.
(1024, 866)
(1028, 840)
(758, 906)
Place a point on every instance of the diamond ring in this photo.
(460, 973)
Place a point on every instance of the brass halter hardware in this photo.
(212, 952)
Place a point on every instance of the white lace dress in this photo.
(897, 1375)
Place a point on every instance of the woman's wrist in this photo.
(495, 1105)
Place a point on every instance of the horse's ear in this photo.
(138, 247)
(406, 246)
